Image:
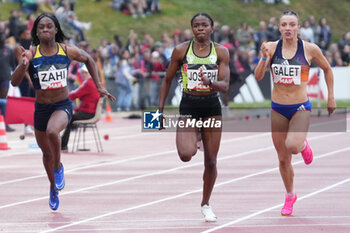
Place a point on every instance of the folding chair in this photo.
(82, 125)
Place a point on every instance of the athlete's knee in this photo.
(284, 161)
(186, 155)
(51, 134)
(292, 146)
(47, 156)
(210, 163)
(185, 158)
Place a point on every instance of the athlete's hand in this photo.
(105, 92)
(331, 105)
(204, 78)
(264, 50)
(162, 119)
(26, 56)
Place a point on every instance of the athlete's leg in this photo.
(186, 141)
(211, 142)
(48, 159)
(57, 122)
(279, 129)
(298, 128)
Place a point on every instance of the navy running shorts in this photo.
(43, 112)
(200, 106)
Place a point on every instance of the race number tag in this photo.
(195, 81)
(53, 78)
(286, 74)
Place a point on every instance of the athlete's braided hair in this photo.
(205, 15)
(60, 37)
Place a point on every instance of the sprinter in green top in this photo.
(205, 72)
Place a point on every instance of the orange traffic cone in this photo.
(3, 140)
(108, 118)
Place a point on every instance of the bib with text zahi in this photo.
(53, 78)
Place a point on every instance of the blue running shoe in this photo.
(59, 178)
(54, 201)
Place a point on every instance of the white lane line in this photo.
(199, 190)
(133, 178)
(275, 207)
(100, 164)
(167, 171)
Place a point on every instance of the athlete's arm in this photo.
(24, 57)
(322, 62)
(266, 50)
(75, 53)
(175, 62)
(222, 84)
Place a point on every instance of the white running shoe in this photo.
(28, 130)
(209, 215)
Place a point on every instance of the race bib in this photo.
(194, 80)
(286, 74)
(53, 78)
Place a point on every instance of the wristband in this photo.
(211, 82)
(263, 58)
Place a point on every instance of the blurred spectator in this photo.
(29, 6)
(124, 80)
(118, 41)
(136, 7)
(69, 21)
(313, 26)
(260, 35)
(245, 36)
(234, 78)
(118, 5)
(7, 65)
(88, 95)
(15, 22)
(223, 34)
(345, 40)
(153, 6)
(133, 42)
(47, 7)
(273, 32)
(345, 55)
(147, 42)
(30, 21)
(306, 32)
(144, 68)
(157, 75)
(187, 35)
(325, 35)
(216, 32)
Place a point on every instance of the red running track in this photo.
(138, 184)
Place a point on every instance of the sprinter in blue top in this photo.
(47, 63)
(290, 59)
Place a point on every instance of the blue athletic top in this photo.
(49, 72)
(290, 71)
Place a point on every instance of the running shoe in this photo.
(59, 178)
(288, 205)
(54, 201)
(199, 141)
(208, 213)
(307, 153)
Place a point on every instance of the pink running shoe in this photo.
(288, 205)
(307, 153)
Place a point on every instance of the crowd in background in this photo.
(132, 70)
